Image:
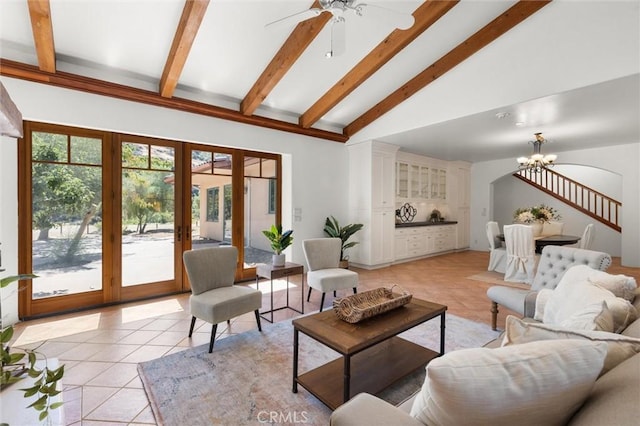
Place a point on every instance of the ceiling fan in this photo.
(341, 8)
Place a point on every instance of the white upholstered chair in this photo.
(323, 257)
(553, 263)
(521, 253)
(214, 298)
(587, 237)
(497, 254)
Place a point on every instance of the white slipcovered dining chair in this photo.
(587, 237)
(521, 253)
(323, 257)
(497, 254)
(214, 298)
(552, 228)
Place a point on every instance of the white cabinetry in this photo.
(418, 241)
(419, 178)
(372, 202)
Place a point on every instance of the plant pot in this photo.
(344, 264)
(278, 259)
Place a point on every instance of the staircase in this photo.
(604, 209)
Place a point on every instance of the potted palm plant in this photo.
(44, 380)
(333, 229)
(279, 241)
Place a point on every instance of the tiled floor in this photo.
(101, 348)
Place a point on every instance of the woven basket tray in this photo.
(358, 307)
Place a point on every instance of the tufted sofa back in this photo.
(555, 260)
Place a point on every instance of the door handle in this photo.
(179, 233)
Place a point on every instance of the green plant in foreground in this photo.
(279, 240)
(15, 367)
(333, 229)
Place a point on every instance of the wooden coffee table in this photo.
(373, 356)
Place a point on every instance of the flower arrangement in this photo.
(540, 214)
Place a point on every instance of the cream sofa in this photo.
(613, 400)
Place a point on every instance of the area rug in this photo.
(247, 379)
(492, 277)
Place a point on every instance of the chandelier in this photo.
(537, 161)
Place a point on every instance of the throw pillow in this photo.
(573, 301)
(620, 285)
(541, 301)
(619, 347)
(530, 384)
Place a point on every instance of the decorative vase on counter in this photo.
(278, 259)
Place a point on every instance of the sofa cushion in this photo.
(620, 285)
(614, 398)
(579, 305)
(619, 347)
(530, 384)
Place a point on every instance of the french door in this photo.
(106, 217)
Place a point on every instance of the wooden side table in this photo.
(274, 272)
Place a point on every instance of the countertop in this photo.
(425, 223)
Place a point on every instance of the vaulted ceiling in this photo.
(217, 58)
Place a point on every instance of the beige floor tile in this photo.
(135, 383)
(124, 406)
(140, 337)
(168, 338)
(114, 353)
(93, 396)
(83, 372)
(116, 376)
(160, 324)
(110, 336)
(83, 351)
(53, 349)
(146, 417)
(146, 353)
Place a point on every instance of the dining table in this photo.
(550, 240)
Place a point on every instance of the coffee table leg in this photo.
(295, 361)
(347, 378)
(442, 327)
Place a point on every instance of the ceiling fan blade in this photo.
(399, 20)
(338, 36)
(291, 20)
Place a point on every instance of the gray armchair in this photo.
(554, 261)
(323, 257)
(214, 298)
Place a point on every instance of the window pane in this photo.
(86, 150)
(49, 147)
(268, 168)
(67, 229)
(162, 158)
(252, 166)
(201, 161)
(135, 155)
(213, 204)
(222, 164)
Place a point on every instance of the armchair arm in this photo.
(368, 410)
(530, 304)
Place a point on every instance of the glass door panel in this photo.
(66, 214)
(211, 199)
(148, 213)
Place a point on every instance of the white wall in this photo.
(620, 159)
(314, 170)
(9, 227)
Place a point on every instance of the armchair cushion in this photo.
(367, 410)
(530, 384)
(325, 280)
(224, 303)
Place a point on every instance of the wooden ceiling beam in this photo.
(425, 16)
(299, 39)
(91, 85)
(503, 23)
(40, 14)
(190, 21)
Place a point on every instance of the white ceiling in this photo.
(570, 70)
